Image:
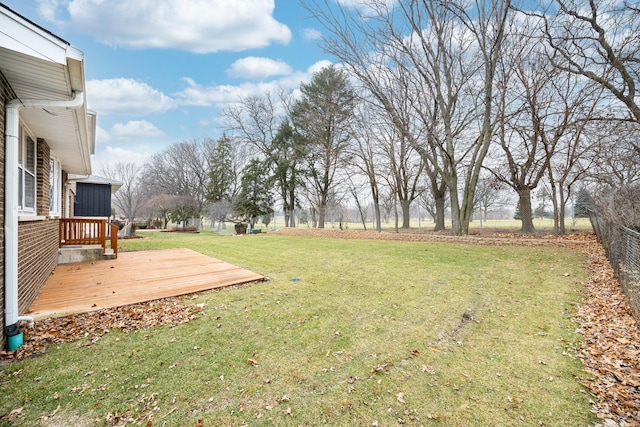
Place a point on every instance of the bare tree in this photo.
(444, 56)
(160, 206)
(489, 196)
(129, 199)
(255, 121)
(355, 191)
(364, 158)
(598, 39)
(182, 169)
(434, 201)
(617, 159)
(404, 169)
(489, 30)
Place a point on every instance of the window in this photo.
(55, 187)
(26, 173)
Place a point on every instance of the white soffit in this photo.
(39, 65)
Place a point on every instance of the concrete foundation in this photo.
(70, 254)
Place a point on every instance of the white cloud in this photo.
(199, 26)
(112, 154)
(253, 67)
(48, 9)
(222, 95)
(126, 96)
(136, 129)
(102, 135)
(311, 34)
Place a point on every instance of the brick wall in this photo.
(6, 94)
(37, 240)
(43, 166)
(37, 258)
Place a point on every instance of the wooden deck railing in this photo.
(88, 231)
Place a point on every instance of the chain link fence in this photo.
(622, 246)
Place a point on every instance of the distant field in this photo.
(494, 225)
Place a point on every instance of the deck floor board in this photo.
(132, 278)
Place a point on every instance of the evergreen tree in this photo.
(323, 117)
(582, 204)
(254, 199)
(287, 151)
(222, 184)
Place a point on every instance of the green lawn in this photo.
(345, 333)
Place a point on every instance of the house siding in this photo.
(93, 200)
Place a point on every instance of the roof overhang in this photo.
(40, 65)
(95, 179)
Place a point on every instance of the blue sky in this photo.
(159, 71)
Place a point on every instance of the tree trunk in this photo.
(322, 214)
(456, 225)
(395, 213)
(526, 214)
(405, 205)
(376, 214)
(285, 208)
(292, 204)
(561, 226)
(439, 219)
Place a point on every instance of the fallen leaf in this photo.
(435, 416)
(252, 362)
(383, 367)
(13, 414)
(400, 398)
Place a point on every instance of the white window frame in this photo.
(55, 187)
(25, 175)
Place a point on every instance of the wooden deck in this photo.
(132, 278)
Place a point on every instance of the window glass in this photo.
(30, 163)
(26, 173)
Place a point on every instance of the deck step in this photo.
(82, 253)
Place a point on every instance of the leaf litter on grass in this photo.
(94, 325)
(611, 347)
